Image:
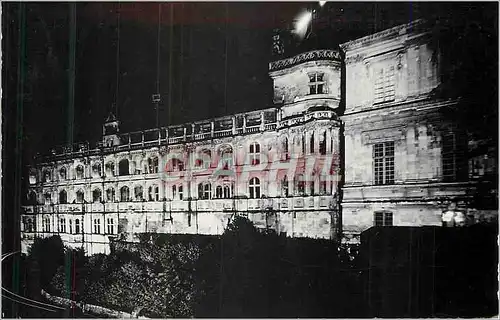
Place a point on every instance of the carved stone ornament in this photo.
(354, 59)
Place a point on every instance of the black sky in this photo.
(213, 57)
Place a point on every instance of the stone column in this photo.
(184, 129)
(233, 119)
(212, 127)
(328, 141)
(262, 116)
(244, 123)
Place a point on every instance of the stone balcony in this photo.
(319, 202)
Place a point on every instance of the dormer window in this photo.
(317, 83)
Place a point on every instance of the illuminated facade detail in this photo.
(280, 167)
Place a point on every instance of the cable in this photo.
(28, 304)
(28, 299)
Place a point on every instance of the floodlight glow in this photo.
(322, 3)
(302, 23)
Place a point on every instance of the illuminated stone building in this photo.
(366, 107)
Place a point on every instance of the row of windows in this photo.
(312, 146)
(71, 226)
(453, 159)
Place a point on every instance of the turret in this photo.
(110, 131)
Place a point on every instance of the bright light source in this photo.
(302, 23)
(322, 3)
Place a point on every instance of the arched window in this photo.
(32, 197)
(227, 192)
(177, 165)
(322, 186)
(124, 194)
(254, 152)
(254, 188)
(47, 177)
(110, 194)
(123, 167)
(154, 193)
(63, 197)
(218, 192)
(96, 169)
(312, 143)
(47, 197)
(32, 177)
(77, 226)
(284, 186)
(226, 155)
(110, 169)
(285, 155)
(322, 143)
(30, 225)
(62, 173)
(138, 193)
(299, 184)
(206, 158)
(153, 165)
(79, 172)
(97, 195)
(80, 197)
(204, 190)
(174, 192)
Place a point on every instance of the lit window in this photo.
(63, 197)
(110, 194)
(311, 142)
(255, 153)
(383, 218)
(285, 155)
(110, 169)
(284, 186)
(299, 184)
(322, 143)
(62, 173)
(97, 226)
(138, 195)
(180, 192)
(227, 192)
(96, 169)
(316, 83)
(77, 226)
(383, 156)
(79, 172)
(97, 195)
(124, 194)
(384, 85)
(153, 165)
(48, 198)
(80, 197)
(111, 226)
(254, 188)
(218, 192)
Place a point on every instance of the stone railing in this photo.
(304, 57)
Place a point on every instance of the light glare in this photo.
(322, 3)
(302, 23)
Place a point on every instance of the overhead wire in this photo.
(31, 300)
(28, 304)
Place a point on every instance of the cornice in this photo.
(304, 57)
(395, 31)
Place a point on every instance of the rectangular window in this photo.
(111, 226)
(70, 226)
(383, 219)
(317, 83)
(453, 156)
(97, 226)
(180, 192)
(77, 226)
(383, 157)
(384, 85)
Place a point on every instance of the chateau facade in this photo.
(355, 140)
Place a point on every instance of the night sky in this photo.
(213, 59)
